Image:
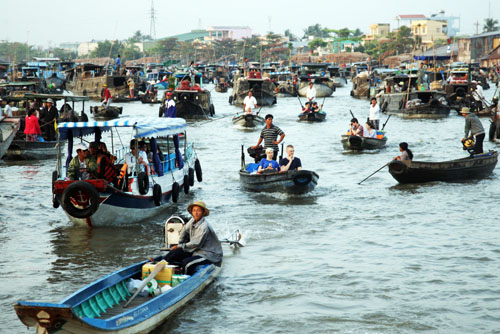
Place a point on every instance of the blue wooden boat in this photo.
(99, 307)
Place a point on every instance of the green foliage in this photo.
(107, 49)
(317, 31)
(290, 36)
(490, 25)
(138, 37)
(64, 54)
(165, 47)
(317, 42)
(17, 52)
(251, 48)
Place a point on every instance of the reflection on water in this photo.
(373, 258)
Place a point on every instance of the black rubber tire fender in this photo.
(212, 110)
(197, 168)
(231, 99)
(186, 184)
(143, 183)
(78, 188)
(397, 167)
(191, 176)
(460, 92)
(54, 179)
(175, 192)
(157, 194)
(492, 132)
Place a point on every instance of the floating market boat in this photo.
(319, 75)
(416, 104)
(137, 194)
(358, 143)
(290, 182)
(473, 167)
(106, 113)
(262, 89)
(108, 305)
(318, 116)
(8, 130)
(248, 120)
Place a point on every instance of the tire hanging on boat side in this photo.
(143, 183)
(186, 184)
(79, 190)
(398, 167)
(175, 192)
(191, 176)
(157, 194)
(197, 168)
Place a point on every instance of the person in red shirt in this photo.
(106, 96)
(31, 126)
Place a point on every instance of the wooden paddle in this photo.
(383, 126)
(378, 170)
(158, 267)
(235, 242)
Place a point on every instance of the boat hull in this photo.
(23, 150)
(322, 90)
(248, 121)
(291, 182)
(313, 117)
(141, 319)
(103, 113)
(455, 170)
(263, 91)
(394, 103)
(358, 143)
(8, 130)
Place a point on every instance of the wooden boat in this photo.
(123, 99)
(473, 167)
(357, 143)
(420, 104)
(99, 308)
(221, 87)
(139, 195)
(248, 120)
(317, 73)
(8, 130)
(319, 116)
(104, 113)
(291, 182)
(20, 149)
(263, 91)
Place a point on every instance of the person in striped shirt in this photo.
(270, 135)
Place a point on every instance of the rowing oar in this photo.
(259, 110)
(351, 113)
(234, 242)
(378, 170)
(383, 126)
(298, 96)
(158, 267)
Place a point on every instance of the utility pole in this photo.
(477, 27)
(152, 28)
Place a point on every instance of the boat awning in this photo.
(148, 127)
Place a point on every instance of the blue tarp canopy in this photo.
(146, 127)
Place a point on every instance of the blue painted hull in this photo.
(68, 317)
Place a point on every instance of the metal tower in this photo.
(152, 28)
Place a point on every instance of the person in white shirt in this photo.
(374, 113)
(311, 92)
(249, 103)
(132, 157)
(7, 109)
(478, 95)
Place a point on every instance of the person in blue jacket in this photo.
(170, 109)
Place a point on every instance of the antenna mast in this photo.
(152, 28)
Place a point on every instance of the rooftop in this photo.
(411, 16)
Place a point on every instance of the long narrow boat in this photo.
(357, 143)
(103, 113)
(8, 130)
(248, 120)
(319, 116)
(473, 167)
(138, 194)
(99, 307)
(292, 182)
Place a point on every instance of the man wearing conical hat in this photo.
(198, 243)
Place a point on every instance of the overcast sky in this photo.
(57, 21)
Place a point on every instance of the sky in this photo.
(49, 23)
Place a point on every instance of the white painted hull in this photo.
(8, 129)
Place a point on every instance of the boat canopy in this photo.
(281, 73)
(152, 127)
(18, 83)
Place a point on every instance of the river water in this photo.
(347, 258)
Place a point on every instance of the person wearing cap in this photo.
(198, 243)
(311, 92)
(170, 109)
(81, 166)
(106, 96)
(269, 134)
(476, 129)
(249, 103)
(50, 114)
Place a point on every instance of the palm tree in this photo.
(490, 25)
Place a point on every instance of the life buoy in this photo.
(143, 183)
(175, 192)
(157, 194)
(186, 184)
(80, 199)
(191, 176)
(120, 109)
(212, 110)
(352, 93)
(54, 178)
(197, 168)
(460, 92)
(397, 167)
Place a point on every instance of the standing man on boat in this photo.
(170, 109)
(118, 62)
(49, 117)
(198, 243)
(106, 96)
(311, 92)
(269, 134)
(249, 103)
(374, 113)
(475, 127)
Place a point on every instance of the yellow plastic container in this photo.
(163, 278)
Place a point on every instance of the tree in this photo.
(290, 36)
(64, 54)
(138, 37)
(107, 49)
(317, 42)
(490, 25)
(16, 52)
(165, 47)
(316, 31)
(250, 48)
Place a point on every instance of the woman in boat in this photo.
(406, 153)
(31, 126)
(267, 163)
(369, 131)
(198, 243)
